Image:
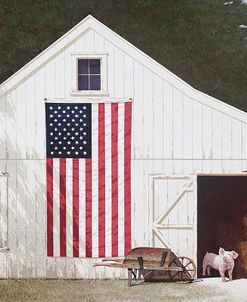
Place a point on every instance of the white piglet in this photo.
(222, 262)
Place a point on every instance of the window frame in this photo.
(103, 75)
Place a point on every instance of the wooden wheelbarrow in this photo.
(141, 261)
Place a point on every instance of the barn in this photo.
(184, 186)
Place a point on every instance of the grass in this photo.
(107, 291)
(200, 41)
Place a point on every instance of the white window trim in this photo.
(103, 70)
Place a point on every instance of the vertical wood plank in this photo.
(207, 132)
(187, 128)
(31, 219)
(3, 140)
(3, 221)
(118, 73)
(217, 134)
(110, 68)
(21, 121)
(21, 189)
(59, 75)
(158, 113)
(12, 219)
(138, 204)
(68, 71)
(41, 231)
(236, 139)
(128, 76)
(30, 118)
(148, 115)
(182, 220)
(168, 122)
(138, 111)
(158, 120)
(99, 44)
(173, 215)
(3, 207)
(177, 124)
(197, 130)
(89, 42)
(148, 170)
(79, 45)
(191, 212)
(11, 125)
(40, 114)
(49, 80)
(226, 137)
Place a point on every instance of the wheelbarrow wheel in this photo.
(187, 272)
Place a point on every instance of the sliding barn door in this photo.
(174, 213)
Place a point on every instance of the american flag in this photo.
(88, 171)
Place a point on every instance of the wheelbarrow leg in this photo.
(129, 276)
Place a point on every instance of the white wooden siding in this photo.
(173, 132)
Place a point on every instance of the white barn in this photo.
(178, 133)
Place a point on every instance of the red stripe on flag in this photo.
(49, 184)
(75, 207)
(114, 171)
(127, 177)
(101, 178)
(62, 207)
(88, 188)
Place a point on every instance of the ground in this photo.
(204, 290)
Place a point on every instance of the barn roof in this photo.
(91, 23)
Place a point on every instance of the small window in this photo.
(89, 74)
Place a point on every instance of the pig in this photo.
(222, 262)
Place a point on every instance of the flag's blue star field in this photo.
(68, 130)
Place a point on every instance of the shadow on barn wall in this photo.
(222, 219)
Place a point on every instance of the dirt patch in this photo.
(117, 290)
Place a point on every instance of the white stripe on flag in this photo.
(69, 208)
(56, 207)
(82, 197)
(121, 179)
(108, 200)
(95, 221)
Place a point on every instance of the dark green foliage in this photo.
(200, 41)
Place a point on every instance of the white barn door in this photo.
(174, 213)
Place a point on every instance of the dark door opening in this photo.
(222, 219)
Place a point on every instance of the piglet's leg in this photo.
(230, 274)
(208, 270)
(223, 277)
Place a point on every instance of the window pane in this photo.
(94, 66)
(95, 82)
(83, 83)
(83, 66)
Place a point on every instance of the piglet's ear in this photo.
(234, 255)
(221, 251)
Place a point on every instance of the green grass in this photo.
(107, 291)
(199, 41)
